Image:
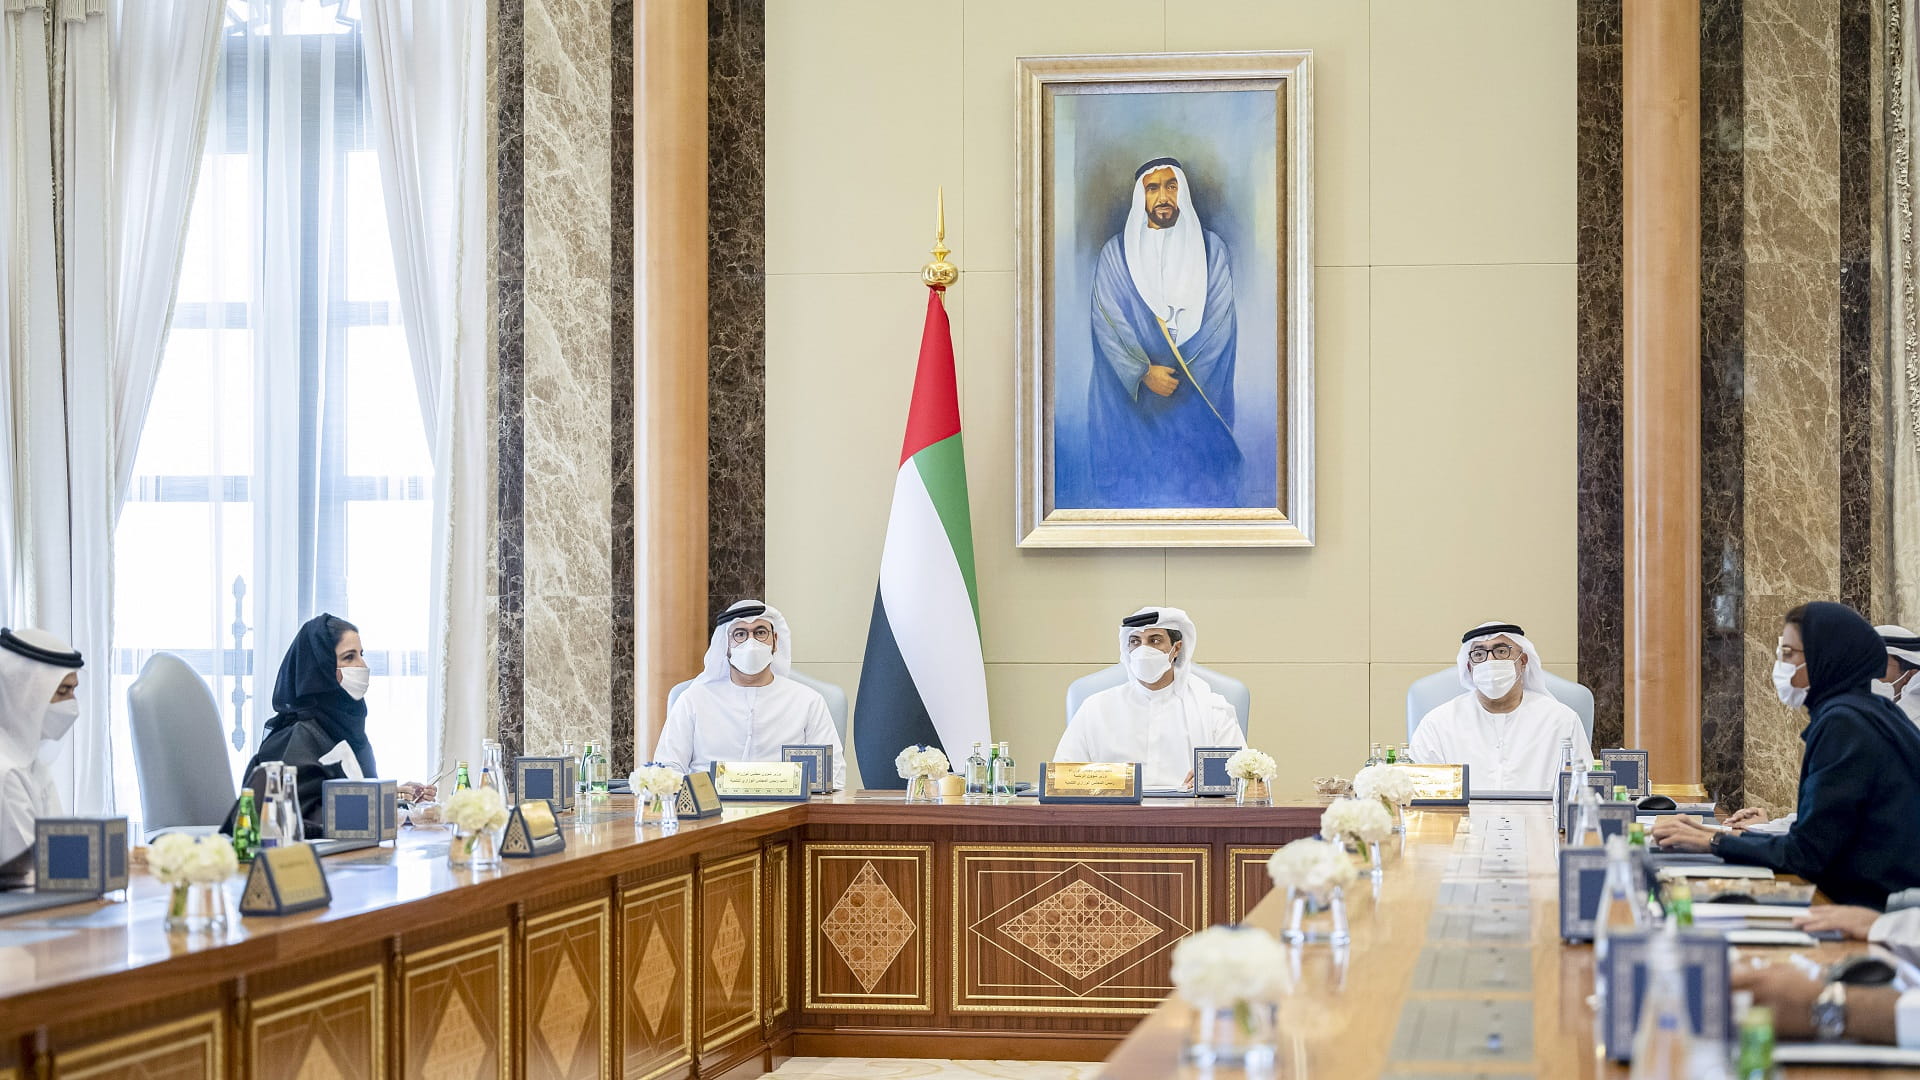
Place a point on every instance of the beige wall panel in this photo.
(1029, 703)
(1336, 31)
(1311, 603)
(1311, 717)
(1473, 132)
(841, 351)
(1473, 456)
(1035, 606)
(863, 121)
(998, 31)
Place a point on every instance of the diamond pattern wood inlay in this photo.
(318, 1064)
(654, 986)
(1079, 929)
(729, 948)
(458, 1048)
(868, 927)
(564, 1014)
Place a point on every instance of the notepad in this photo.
(1716, 870)
(1808, 1053)
(1798, 939)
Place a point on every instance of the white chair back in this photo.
(178, 751)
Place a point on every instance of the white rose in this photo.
(1311, 865)
(168, 857)
(476, 808)
(921, 761)
(1388, 783)
(1224, 965)
(212, 861)
(1250, 764)
(653, 779)
(1364, 820)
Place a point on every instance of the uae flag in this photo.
(924, 680)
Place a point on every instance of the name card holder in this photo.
(285, 880)
(1704, 968)
(362, 810)
(698, 799)
(1616, 819)
(546, 778)
(1583, 879)
(79, 855)
(760, 781)
(818, 759)
(1629, 768)
(532, 831)
(1600, 780)
(1440, 785)
(1210, 777)
(1107, 782)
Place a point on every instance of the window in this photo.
(284, 468)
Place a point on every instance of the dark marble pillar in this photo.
(510, 290)
(621, 397)
(1862, 516)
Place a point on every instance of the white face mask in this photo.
(1495, 678)
(1886, 690)
(59, 718)
(1148, 664)
(751, 656)
(1790, 695)
(355, 681)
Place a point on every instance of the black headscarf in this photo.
(309, 688)
(1844, 652)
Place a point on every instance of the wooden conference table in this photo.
(851, 926)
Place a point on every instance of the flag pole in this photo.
(940, 273)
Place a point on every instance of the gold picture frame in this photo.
(1080, 118)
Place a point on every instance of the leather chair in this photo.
(186, 780)
(1226, 686)
(1430, 691)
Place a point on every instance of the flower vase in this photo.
(1243, 1035)
(1301, 904)
(1253, 791)
(1373, 852)
(474, 849)
(668, 812)
(1399, 812)
(197, 907)
(921, 789)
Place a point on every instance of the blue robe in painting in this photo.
(1146, 451)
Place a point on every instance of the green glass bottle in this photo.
(1392, 754)
(1637, 835)
(461, 781)
(1620, 793)
(246, 832)
(1756, 1045)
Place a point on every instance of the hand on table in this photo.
(1787, 990)
(418, 793)
(1188, 782)
(1682, 833)
(1740, 819)
(1855, 922)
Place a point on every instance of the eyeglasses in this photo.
(1481, 655)
(762, 634)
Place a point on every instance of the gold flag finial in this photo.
(940, 273)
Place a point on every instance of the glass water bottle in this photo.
(977, 777)
(1002, 779)
(293, 823)
(272, 807)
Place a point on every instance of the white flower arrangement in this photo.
(921, 762)
(475, 809)
(1365, 820)
(1250, 764)
(1222, 966)
(1388, 783)
(655, 779)
(180, 859)
(1312, 866)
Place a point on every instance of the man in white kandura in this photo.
(1902, 683)
(1160, 713)
(1507, 729)
(38, 676)
(744, 706)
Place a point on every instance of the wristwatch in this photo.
(1830, 1012)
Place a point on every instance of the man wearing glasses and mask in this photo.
(743, 707)
(1507, 729)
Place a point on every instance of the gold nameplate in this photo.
(531, 831)
(284, 880)
(697, 798)
(1437, 785)
(1090, 781)
(760, 781)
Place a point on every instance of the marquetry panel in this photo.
(568, 970)
(730, 944)
(334, 1029)
(869, 928)
(190, 1049)
(657, 997)
(1247, 880)
(454, 1010)
(1046, 929)
(779, 944)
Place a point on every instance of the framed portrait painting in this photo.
(1164, 323)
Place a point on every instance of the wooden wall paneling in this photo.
(869, 928)
(781, 935)
(455, 1008)
(335, 1027)
(568, 972)
(193, 1047)
(656, 1000)
(1247, 880)
(1046, 929)
(731, 922)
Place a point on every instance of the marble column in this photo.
(1660, 88)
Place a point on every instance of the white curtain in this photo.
(1904, 382)
(426, 77)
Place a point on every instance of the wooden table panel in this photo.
(333, 1029)
(730, 943)
(568, 975)
(658, 966)
(455, 1009)
(190, 1049)
(869, 926)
